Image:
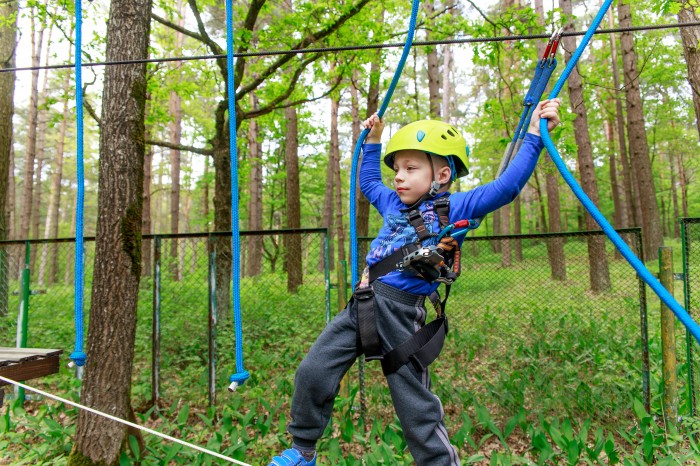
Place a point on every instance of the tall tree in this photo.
(691, 38)
(37, 37)
(255, 199)
(8, 44)
(249, 79)
(175, 135)
(433, 66)
(117, 263)
(632, 209)
(291, 162)
(639, 147)
(597, 258)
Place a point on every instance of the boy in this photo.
(388, 307)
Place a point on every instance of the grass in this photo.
(533, 372)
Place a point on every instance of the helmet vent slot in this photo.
(449, 131)
(444, 137)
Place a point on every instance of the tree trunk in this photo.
(255, 208)
(682, 180)
(117, 263)
(433, 67)
(8, 42)
(52, 217)
(506, 248)
(175, 136)
(691, 37)
(555, 245)
(222, 210)
(292, 242)
(32, 123)
(328, 198)
(362, 222)
(146, 223)
(631, 202)
(639, 148)
(598, 260)
(619, 210)
(338, 187)
(517, 230)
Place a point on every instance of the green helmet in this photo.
(432, 137)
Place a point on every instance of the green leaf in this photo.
(134, 444)
(183, 415)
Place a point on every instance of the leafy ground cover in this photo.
(532, 376)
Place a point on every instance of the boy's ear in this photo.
(444, 175)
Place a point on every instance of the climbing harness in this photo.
(433, 263)
(619, 243)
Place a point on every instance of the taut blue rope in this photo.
(78, 356)
(627, 253)
(363, 135)
(241, 374)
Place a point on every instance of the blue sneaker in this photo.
(291, 457)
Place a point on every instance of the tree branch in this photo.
(248, 25)
(269, 108)
(168, 145)
(302, 44)
(177, 28)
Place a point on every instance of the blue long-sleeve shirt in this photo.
(397, 231)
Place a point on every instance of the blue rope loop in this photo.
(619, 243)
(241, 374)
(78, 356)
(358, 147)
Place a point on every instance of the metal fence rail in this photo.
(505, 306)
(690, 237)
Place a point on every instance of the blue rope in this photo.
(241, 374)
(356, 155)
(78, 356)
(627, 253)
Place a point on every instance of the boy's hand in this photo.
(375, 126)
(545, 109)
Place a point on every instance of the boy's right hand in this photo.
(375, 126)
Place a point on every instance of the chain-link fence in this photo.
(530, 314)
(542, 316)
(690, 235)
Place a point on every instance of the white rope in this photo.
(116, 419)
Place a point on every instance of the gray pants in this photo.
(317, 382)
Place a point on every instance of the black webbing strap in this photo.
(415, 218)
(367, 323)
(442, 209)
(391, 262)
(423, 347)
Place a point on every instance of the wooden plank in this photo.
(30, 369)
(39, 351)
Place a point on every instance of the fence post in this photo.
(327, 273)
(155, 345)
(212, 321)
(686, 242)
(23, 316)
(668, 339)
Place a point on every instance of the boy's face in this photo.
(413, 175)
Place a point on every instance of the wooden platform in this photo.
(27, 363)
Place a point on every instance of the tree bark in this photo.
(293, 241)
(117, 263)
(8, 43)
(255, 188)
(632, 213)
(32, 123)
(691, 38)
(433, 67)
(598, 260)
(175, 136)
(338, 188)
(639, 148)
